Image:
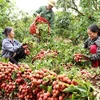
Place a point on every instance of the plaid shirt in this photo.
(90, 42)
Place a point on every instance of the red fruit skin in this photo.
(45, 97)
(74, 83)
(21, 96)
(69, 81)
(18, 80)
(61, 98)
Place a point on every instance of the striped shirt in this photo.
(90, 42)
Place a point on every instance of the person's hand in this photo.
(25, 45)
(38, 15)
(85, 57)
(27, 51)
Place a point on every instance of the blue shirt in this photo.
(8, 47)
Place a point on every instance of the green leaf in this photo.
(22, 69)
(49, 89)
(43, 87)
(11, 95)
(4, 60)
(27, 80)
(14, 75)
(73, 98)
(70, 89)
(45, 79)
(81, 89)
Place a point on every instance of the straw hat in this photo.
(52, 3)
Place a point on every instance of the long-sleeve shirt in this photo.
(48, 14)
(90, 42)
(8, 47)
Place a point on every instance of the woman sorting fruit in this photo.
(11, 48)
(93, 45)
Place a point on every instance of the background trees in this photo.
(11, 16)
(70, 22)
(82, 14)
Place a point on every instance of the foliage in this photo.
(80, 7)
(81, 17)
(5, 10)
(65, 50)
(11, 16)
(73, 27)
(81, 92)
(22, 32)
(62, 23)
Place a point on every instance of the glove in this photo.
(36, 14)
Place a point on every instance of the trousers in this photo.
(93, 50)
(17, 55)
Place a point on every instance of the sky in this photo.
(30, 5)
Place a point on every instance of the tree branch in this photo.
(65, 5)
(95, 4)
(78, 11)
(76, 8)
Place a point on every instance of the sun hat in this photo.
(52, 2)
